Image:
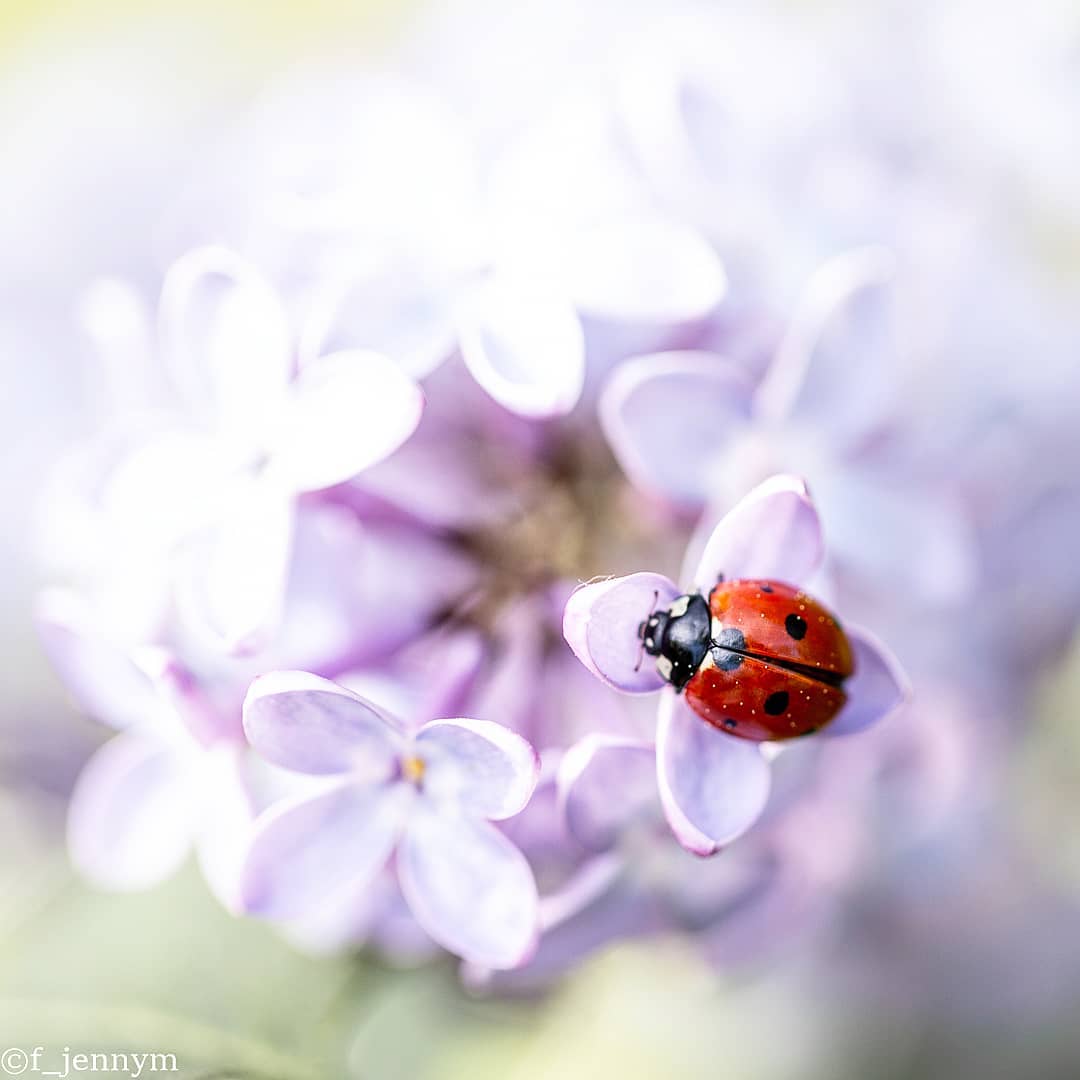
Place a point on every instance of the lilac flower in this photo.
(217, 493)
(828, 406)
(426, 796)
(168, 781)
(483, 268)
(713, 785)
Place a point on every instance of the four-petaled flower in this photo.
(219, 489)
(168, 782)
(714, 785)
(427, 796)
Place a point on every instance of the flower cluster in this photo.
(405, 386)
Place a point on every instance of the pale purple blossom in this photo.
(427, 797)
(713, 785)
(216, 493)
(170, 780)
(828, 406)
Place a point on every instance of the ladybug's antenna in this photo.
(641, 630)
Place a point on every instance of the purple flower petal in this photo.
(877, 689)
(525, 348)
(709, 397)
(311, 725)
(105, 680)
(132, 814)
(478, 766)
(469, 888)
(606, 784)
(347, 917)
(839, 356)
(773, 532)
(601, 625)
(347, 602)
(712, 786)
(305, 849)
(343, 412)
(645, 271)
(226, 338)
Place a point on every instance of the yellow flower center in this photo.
(412, 768)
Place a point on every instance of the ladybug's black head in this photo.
(679, 638)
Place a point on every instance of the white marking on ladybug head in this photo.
(680, 606)
(663, 665)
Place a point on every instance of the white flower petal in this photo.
(104, 679)
(231, 582)
(133, 814)
(643, 271)
(344, 412)
(226, 338)
(525, 347)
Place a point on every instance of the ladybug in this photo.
(758, 659)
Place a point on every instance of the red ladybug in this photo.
(758, 659)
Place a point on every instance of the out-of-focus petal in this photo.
(606, 785)
(643, 272)
(344, 412)
(525, 347)
(227, 813)
(877, 689)
(712, 786)
(883, 531)
(347, 602)
(304, 850)
(479, 766)
(396, 311)
(226, 339)
(469, 888)
(601, 625)
(839, 356)
(669, 418)
(132, 814)
(231, 580)
(109, 683)
(167, 487)
(773, 532)
(312, 725)
(344, 918)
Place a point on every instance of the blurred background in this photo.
(954, 951)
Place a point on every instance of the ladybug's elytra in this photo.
(759, 659)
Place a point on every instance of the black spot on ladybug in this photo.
(765, 588)
(777, 703)
(795, 625)
(729, 723)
